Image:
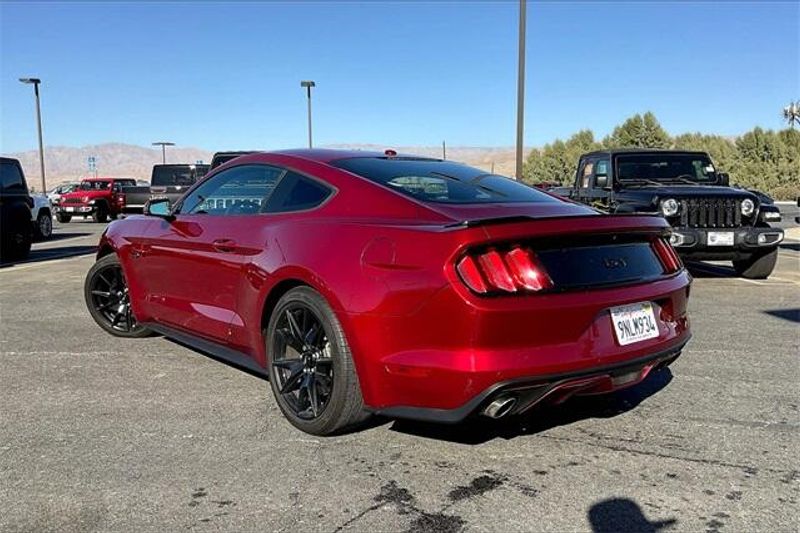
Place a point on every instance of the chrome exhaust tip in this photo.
(500, 407)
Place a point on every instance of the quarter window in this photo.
(296, 193)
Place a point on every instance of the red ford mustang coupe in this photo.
(411, 287)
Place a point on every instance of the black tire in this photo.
(106, 293)
(44, 225)
(323, 365)
(100, 213)
(17, 245)
(758, 266)
(63, 218)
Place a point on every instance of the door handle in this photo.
(225, 246)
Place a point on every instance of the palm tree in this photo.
(791, 113)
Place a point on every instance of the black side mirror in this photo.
(601, 181)
(159, 207)
(724, 179)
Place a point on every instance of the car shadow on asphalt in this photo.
(792, 315)
(794, 246)
(61, 236)
(623, 514)
(706, 270)
(478, 429)
(47, 254)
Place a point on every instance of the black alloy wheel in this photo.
(108, 299)
(302, 362)
(311, 369)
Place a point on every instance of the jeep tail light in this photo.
(515, 270)
(666, 254)
(121, 199)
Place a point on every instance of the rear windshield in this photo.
(177, 175)
(431, 180)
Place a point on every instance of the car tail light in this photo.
(666, 254)
(516, 270)
(121, 199)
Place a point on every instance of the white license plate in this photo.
(69, 209)
(634, 323)
(720, 238)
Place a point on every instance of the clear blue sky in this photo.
(226, 76)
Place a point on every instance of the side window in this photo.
(296, 193)
(602, 167)
(11, 177)
(588, 172)
(239, 191)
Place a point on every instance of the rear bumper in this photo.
(555, 388)
(694, 243)
(444, 360)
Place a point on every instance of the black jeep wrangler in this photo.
(711, 220)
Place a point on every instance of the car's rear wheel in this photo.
(44, 225)
(311, 369)
(108, 301)
(63, 218)
(758, 266)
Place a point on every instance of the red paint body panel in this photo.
(386, 265)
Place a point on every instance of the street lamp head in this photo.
(30, 80)
(163, 143)
(307, 83)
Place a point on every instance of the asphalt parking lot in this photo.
(104, 434)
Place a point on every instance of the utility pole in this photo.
(35, 82)
(444, 150)
(520, 87)
(308, 84)
(163, 145)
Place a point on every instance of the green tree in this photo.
(759, 159)
(639, 131)
(556, 162)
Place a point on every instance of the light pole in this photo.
(35, 82)
(163, 145)
(308, 84)
(520, 87)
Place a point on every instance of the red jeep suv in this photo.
(366, 282)
(100, 198)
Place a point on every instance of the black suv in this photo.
(15, 211)
(710, 220)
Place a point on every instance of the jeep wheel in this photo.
(63, 217)
(758, 266)
(311, 370)
(44, 225)
(16, 245)
(100, 214)
(106, 294)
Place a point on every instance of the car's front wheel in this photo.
(108, 301)
(100, 213)
(311, 370)
(758, 266)
(63, 217)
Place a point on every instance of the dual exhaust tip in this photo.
(500, 407)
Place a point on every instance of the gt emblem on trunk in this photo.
(614, 262)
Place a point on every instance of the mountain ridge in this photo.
(70, 163)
